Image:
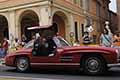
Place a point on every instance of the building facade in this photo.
(113, 19)
(66, 16)
(118, 15)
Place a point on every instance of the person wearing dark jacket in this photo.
(37, 44)
(51, 44)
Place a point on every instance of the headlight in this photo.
(117, 51)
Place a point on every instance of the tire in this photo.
(22, 64)
(94, 65)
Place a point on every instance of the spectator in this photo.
(106, 39)
(1, 51)
(17, 44)
(5, 45)
(24, 40)
(116, 38)
(86, 38)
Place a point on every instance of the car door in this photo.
(40, 61)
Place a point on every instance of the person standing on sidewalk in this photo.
(5, 46)
(86, 38)
(1, 51)
(106, 39)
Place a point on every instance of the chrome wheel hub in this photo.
(92, 65)
(22, 64)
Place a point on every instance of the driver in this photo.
(36, 44)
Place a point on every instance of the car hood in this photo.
(20, 51)
(23, 50)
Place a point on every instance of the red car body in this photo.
(67, 57)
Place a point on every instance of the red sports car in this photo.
(92, 60)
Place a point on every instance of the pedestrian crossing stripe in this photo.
(23, 78)
(7, 79)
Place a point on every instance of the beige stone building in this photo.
(65, 15)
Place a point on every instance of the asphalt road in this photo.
(7, 73)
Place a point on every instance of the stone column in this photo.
(18, 27)
(11, 24)
(18, 30)
(72, 29)
(71, 23)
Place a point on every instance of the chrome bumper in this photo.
(114, 65)
(118, 60)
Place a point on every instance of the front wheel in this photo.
(22, 64)
(93, 65)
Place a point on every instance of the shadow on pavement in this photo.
(113, 72)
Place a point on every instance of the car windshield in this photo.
(62, 41)
(29, 44)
